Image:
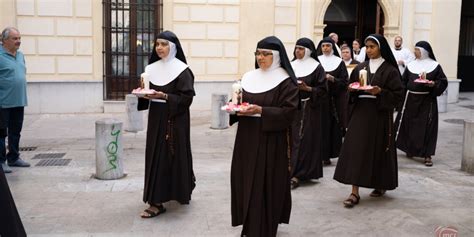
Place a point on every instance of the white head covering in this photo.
(422, 64)
(259, 80)
(329, 62)
(306, 65)
(165, 70)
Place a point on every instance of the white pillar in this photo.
(443, 102)
(108, 149)
(453, 90)
(467, 163)
(134, 122)
(219, 118)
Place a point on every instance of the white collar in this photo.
(426, 65)
(305, 66)
(329, 63)
(258, 80)
(374, 64)
(423, 64)
(163, 72)
(347, 62)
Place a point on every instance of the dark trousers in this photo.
(13, 120)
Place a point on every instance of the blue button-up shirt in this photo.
(12, 79)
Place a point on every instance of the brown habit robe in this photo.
(419, 130)
(168, 160)
(10, 222)
(260, 176)
(306, 154)
(368, 156)
(335, 115)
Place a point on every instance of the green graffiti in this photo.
(112, 149)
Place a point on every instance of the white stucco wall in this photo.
(62, 40)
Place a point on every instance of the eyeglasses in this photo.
(263, 53)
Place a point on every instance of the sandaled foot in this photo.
(428, 161)
(152, 211)
(327, 162)
(377, 193)
(408, 155)
(352, 200)
(294, 183)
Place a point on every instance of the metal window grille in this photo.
(129, 28)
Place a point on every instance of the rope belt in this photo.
(158, 100)
(368, 96)
(419, 92)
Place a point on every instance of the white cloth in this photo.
(405, 55)
(304, 66)
(374, 64)
(165, 70)
(329, 63)
(361, 56)
(259, 80)
(423, 64)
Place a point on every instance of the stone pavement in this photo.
(67, 201)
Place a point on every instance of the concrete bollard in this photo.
(134, 122)
(467, 163)
(443, 102)
(219, 118)
(108, 149)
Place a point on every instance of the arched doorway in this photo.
(352, 19)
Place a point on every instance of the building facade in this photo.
(65, 44)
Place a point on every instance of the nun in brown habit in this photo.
(335, 113)
(306, 154)
(10, 222)
(168, 160)
(368, 155)
(418, 132)
(260, 172)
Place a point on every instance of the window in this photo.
(130, 27)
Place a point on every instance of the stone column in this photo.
(443, 102)
(219, 118)
(453, 90)
(108, 149)
(134, 122)
(467, 163)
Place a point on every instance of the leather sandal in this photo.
(352, 200)
(428, 161)
(377, 193)
(149, 213)
(294, 183)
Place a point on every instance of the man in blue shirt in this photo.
(12, 97)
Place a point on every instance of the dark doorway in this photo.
(352, 19)
(466, 46)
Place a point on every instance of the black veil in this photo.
(273, 43)
(170, 36)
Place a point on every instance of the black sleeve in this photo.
(441, 82)
(392, 91)
(340, 79)
(319, 86)
(280, 117)
(143, 104)
(180, 100)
